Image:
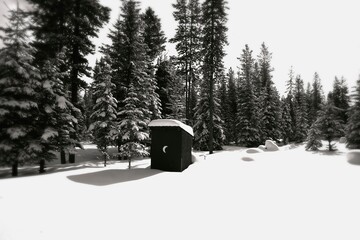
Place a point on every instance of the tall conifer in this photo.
(130, 66)
(71, 24)
(214, 40)
(154, 36)
(104, 115)
(19, 84)
(188, 42)
(353, 125)
(247, 118)
(301, 124)
(270, 100)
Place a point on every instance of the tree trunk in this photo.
(62, 156)
(42, 166)
(72, 158)
(14, 170)
(75, 58)
(330, 147)
(129, 162)
(211, 90)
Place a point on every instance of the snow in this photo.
(20, 104)
(49, 133)
(61, 101)
(171, 123)
(16, 132)
(288, 194)
(47, 85)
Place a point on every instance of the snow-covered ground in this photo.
(289, 194)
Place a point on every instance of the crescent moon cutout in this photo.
(164, 149)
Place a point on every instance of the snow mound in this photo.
(271, 146)
(353, 156)
(171, 123)
(262, 147)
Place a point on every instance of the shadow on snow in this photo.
(113, 176)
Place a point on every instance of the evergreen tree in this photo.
(71, 24)
(163, 78)
(133, 124)
(87, 105)
(286, 121)
(169, 90)
(214, 40)
(329, 124)
(176, 94)
(247, 118)
(19, 83)
(188, 46)
(314, 138)
(128, 56)
(309, 105)
(154, 37)
(201, 127)
(104, 115)
(230, 120)
(130, 66)
(317, 98)
(56, 112)
(224, 108)
(340, 97)
(353, 125)
(290, 88)
(257, 81)
(270, 100)
(301, 126)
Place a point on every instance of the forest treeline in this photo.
(47, 107)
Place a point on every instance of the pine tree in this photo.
(188, 46)
(154, 36)
(340, 97)
(232, 108)
(290, 88)
(130, 66)
(104, 115)
(317, 98)
(176, 94)
(314, 138)
(128, 56)
(353, 125)
(329, 124)
(286, 121)
(19, 82)
(270, 99)
(163, 78)
(133, 124)
(247, 117)
(169, 90)
(87, 105)
(309, 104)
(71, 24)
(214, 40)
(224, 108)
(56, 112)
(201, 127)
(194, 55)
(301, 126)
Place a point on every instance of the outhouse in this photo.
(171, 144)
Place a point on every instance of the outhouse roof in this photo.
(171, 123)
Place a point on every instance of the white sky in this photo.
(310, 35)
